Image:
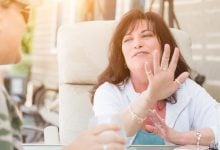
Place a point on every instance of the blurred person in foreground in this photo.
(146, 83)
(12, 27)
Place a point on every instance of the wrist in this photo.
(140, 108)
(148, 99)
(178, 138)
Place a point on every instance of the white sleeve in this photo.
(205, 115)
(107, 100)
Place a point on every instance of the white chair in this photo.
(82, 56)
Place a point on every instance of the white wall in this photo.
(44, 67)
(201, 19)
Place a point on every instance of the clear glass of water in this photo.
(105, 119)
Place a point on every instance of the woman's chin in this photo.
(139, 66)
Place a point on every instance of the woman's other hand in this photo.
(93, 139)
(159, 127)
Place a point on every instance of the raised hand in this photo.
(161, 79)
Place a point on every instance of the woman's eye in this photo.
(126, 40)
(147, 35)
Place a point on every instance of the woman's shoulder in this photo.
(110, 86)
(106, 86)
(189, 88)
(192, 89)
(191, 85)
(113, 89)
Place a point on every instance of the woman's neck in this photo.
(139, 81)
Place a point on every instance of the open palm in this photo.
(161, 79)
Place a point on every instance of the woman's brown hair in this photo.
(116, 71)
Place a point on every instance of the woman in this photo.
(146, 82)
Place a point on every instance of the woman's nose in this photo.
(137, 44)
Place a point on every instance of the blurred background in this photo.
(33, 83)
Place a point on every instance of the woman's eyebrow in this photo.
(129, 33)
(145, 30)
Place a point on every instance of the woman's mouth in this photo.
(141, 53)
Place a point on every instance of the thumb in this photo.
(149, 128)
(181, 78)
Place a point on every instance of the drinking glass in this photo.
(105, 119)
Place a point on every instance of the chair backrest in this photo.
(82, 56)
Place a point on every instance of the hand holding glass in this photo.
(108, 119)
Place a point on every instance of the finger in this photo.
(148, 71)
(174, 60)
(155, 130)
(160, 126)
(149, 128)
(164, 128)
(157, 116)
(181, 78)
(160, 120)
(104, 127)
(166, 57)
(163, 122)
(111, 137)
(157, 120)
(156, 61)
(158, 130)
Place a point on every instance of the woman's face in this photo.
(138, 46)
(12, 27)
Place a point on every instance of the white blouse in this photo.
(194, 109)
